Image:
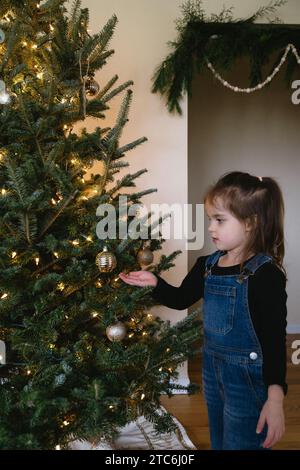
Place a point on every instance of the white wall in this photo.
(257, 133)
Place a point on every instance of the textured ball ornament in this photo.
(106, 261)
(2, 36)
(116, 332)
(92, 88)
(145, 256)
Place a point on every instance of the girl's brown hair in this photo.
(258, 201)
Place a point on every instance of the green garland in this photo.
(223, 40)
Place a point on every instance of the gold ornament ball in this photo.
(92, 88)
(116, 332)
(106, 261)
(145, 256)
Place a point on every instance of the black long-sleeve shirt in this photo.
(267, 305)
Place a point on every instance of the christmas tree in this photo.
(80, 354)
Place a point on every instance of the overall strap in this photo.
(252, 266)
(211, 260)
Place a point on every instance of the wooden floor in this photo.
(191, 410)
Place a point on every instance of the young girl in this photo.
(244, 311)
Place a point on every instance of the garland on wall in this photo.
(218, 41)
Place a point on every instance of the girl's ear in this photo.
(250, 223)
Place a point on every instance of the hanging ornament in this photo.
(2, 36)
(106, 261)
(92, 88)
(145, 256)
(116, 332)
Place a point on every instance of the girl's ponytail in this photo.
(272, 220)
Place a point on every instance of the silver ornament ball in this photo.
(116, 332)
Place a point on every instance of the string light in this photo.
(75, 242)
(66, 423)
(24, 43)
(57, 447)
(37, 260)
(168, 350)
(3, 191)
(61, 286)
(56, 254)
(40, 75)
(143, 396)
(111, 407)
(89, 239)
(4, 296)
(94, 314)
(259, 86)
(34, 46)
(51, 27)
(131, 335)
(160, 369)
(28, 372)
(51, 346)
(53, 201)
(14, 254)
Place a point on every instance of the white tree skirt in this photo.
(140, 435)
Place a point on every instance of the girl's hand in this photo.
(272, 414)
(139, 278)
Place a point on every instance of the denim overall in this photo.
(232, 377)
